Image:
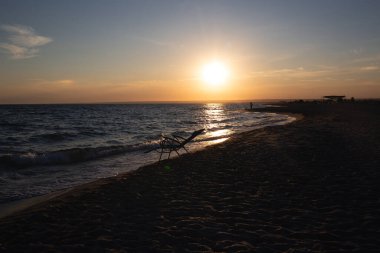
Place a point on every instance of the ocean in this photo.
(45, 148)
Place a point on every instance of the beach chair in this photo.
(174, 143)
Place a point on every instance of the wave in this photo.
(79, 154)
(54, 136)
(213, 138)
(73, 155)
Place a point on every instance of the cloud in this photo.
(370, 68)
(59, 82)
(320, 73)
(296, 73)
(367, 59)
(23, 42)
(66, 81)
(18, 52)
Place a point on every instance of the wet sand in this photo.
(309, 186)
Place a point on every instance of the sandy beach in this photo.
(309, 186)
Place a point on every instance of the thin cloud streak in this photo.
(320, 74)
(41, 81)
(370, 68)
(22, 41)
(368, 59)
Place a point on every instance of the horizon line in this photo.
(179, 102)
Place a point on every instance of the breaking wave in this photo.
(67, 156)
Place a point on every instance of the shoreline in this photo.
(11, 208)
(16, 206)
(308, 185)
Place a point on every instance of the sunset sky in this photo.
(154, 50)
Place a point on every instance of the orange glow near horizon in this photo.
(213, 81)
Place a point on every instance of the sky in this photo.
(153, 50)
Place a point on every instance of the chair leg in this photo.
(162, 151)
(160, 157)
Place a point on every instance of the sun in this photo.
(215, 73)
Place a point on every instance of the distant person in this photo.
(251, 104)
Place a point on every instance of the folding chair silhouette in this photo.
(174, 143)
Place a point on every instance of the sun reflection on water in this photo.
(215, 114)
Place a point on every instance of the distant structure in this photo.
(333, 98)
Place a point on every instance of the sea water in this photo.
(44, 148)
